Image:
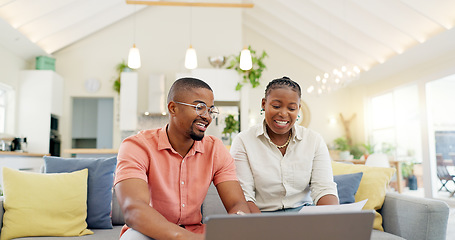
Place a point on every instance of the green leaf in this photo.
(238, 87)
(254, 74)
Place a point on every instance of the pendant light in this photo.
(191, 57)
(134, 57)
(245, 59)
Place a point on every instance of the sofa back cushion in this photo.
(116, 215)
(212, 204)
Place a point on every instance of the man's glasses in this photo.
(202, 109)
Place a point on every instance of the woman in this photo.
(282, 166)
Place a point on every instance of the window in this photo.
(395, 125)
(6, 102)
(2, 110)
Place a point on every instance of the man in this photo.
(163, 175)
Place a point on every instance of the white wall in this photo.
(162, 36)
(283, 63)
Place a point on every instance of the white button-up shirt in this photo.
(273, 181)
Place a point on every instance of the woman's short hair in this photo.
(283, 82)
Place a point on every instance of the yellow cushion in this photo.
(44, 204)
(373, 186)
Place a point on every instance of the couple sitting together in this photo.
(163, 175)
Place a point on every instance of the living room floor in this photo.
(444, 196)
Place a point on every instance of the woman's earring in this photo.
(298, 117)
(262, 111)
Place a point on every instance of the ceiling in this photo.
(326, 34)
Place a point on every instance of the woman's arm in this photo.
(243, 169)
(328, 199)
(323, 188)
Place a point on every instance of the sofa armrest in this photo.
(415, 218)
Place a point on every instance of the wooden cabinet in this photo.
(40, 95)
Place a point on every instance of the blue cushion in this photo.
(347, 185)
(100, 181)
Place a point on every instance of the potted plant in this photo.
(356, 151)
(407, 171)
(342, 145)
(369, 149)
(232, 126)
(254, 74)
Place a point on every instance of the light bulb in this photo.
(190, 58)
(245, 59)
(134, 58)
(310, 89)
(356, 69)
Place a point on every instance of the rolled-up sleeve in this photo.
(244, 173)
(321, 182)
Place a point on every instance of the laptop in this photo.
(291, 226)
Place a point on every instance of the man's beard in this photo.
(196, 137)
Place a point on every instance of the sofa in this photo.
(404, 217)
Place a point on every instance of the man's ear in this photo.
(171, 107)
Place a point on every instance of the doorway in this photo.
(441, 125)
(92, 123)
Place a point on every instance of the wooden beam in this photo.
(192, 4)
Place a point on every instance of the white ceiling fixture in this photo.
(134, 57)
(190, 56)
(246, 62)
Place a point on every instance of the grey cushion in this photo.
(379, 235)
(212, 203)
(117, 214)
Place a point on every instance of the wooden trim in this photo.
(27, 154)
(90, 151)
(192, 4)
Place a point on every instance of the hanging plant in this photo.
(121, 67)
(254, 74)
